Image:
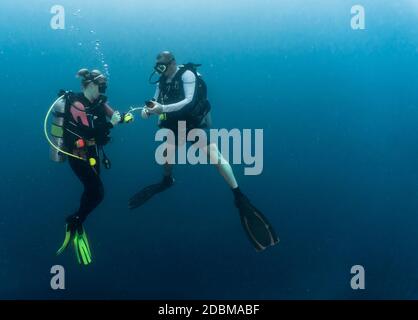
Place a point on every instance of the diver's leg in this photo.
(170, 155)
(222, 165)
(258, 229)
(93, 193)
(168, 170)
(148, 192)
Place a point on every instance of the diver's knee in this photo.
(215, 156)
(101, 193)
(97, 194)
(212, 149)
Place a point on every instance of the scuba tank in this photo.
(57, 131)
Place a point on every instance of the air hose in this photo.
(47, 136)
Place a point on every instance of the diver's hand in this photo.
(157, 109)
(116, 118)
(145, 114)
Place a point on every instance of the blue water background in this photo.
(339, 109)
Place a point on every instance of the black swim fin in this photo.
(148, 192)
(257, 227)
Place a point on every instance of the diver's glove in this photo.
(145, 114)
(156, 109)
(116, 118)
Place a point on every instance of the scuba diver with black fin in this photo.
(181, 95)
(80, 130)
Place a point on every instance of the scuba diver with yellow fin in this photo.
(181, 95)
(79, 131)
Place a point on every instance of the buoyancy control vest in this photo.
(173, 92)
(75, 118)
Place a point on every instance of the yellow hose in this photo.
(46, 133)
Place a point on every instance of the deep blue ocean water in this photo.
(339, 109)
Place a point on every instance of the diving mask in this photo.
(160, 68)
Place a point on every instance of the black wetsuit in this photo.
(93, 193)
(98, 128)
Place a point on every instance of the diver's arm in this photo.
(83, 127)
(117, 117)
(157, 93)
(90, 133)
(109, 111)
(98, 130)
(189, 81)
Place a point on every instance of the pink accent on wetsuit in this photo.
(79, 114)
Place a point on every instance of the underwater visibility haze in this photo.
(339, 110)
